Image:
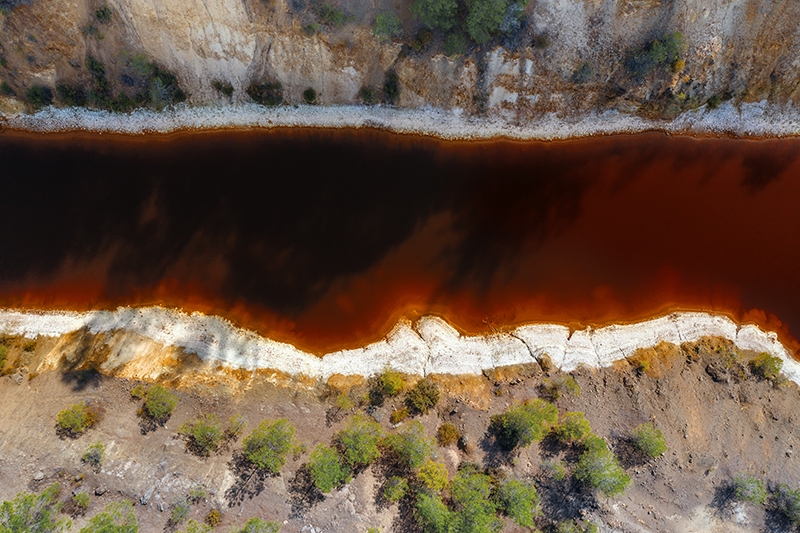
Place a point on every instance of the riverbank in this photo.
(428, 346)
(749, 120)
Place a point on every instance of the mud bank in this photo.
(428, 346)
(752, 120)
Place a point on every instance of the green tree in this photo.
(256, 525)
(475, 510)
(396, 487)
(391, 382)
(520, 501)
(387, 24)
(572, 428)
(766, 366)
(359, 440)
(411, 447)
(39, 96)
(600, 469)
(434, 14)
(236, 426)
(95, 454)
(327, 468)
(433, 475)
(31, 513)
(649, 440)
(203, 434)
(484, 18)
(455, 43)
(266, 447)
(77, 418)
(192, 526)
(749, 489)
(433, 515)
(180, 510)
(788, 502)
(115, 518)
(524, 424)
(159, 403)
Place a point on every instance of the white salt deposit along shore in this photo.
(760, 119)
(428, 346)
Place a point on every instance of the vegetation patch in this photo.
(159, 404)
(268, 94)
(411, 447)
(310, 95)
(33, 513)
(267, 446)
(423, 396)
(766, 366)
(95, 454)
(387, 25)
(520, 501)
(649, 440)
(447, 434)
(395, 489)
(572, 428)
(327, 468)
(359, 440)
(657, 54)
(598, 468)
(524, 424)
(560, 387)
(203, 434)
(223, 87)
(77, 418)
(748, 488)
(39, 96)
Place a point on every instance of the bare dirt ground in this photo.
(716, 417)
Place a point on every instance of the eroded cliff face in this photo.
(739, 49)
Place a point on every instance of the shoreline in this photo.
(760, 120)
(430, 345)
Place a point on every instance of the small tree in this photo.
(387, 24)
(256, 525)
(391, 383)
(203, 434)
(236, 426)
(411, 447)
(359, 440)
(600, 469)
(447, 434)
(77, 418)
(423, 396)
(788, 502)
(484, 18)
(649, 440)
(179, 510)
(159, 403)
(327, 468)
(562, 386)
(433, 476)
(81, 501)
(34, 513)
(433, 515)
(396, 487)
(572, 428)
(749, 489)
(555, 469)
(475, 510)
(520, 501)
(115, 518)
(267, 446)
(192, 526)
(524, 424)
(766, 366)
(310, 95)
(95, 454)
(39, 96)
(434, 14)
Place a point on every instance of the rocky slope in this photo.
(565, 57)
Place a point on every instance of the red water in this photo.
(324, 238)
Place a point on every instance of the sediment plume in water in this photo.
(324, 239)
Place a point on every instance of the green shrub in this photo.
(368, 96)
(484, 18)
(77, 418)
(81, 500)
(433, 476)
(269, 94)
(159, 403)
(434, 14)
(423, 396)
(524, 424)
(455, 43)
(714, 101)
(236, 426)
(95, 454)
(327, 468)
(391, 87)
(331, 15)
(213, 518)
(359, 440)
(433, 515)
(519, 501)
(310, 95)
(411, 447)
(572, 428)
(344, 403)
(138, 392)
(395, 489)
(266, 447)
(475, 510)
(6, 89)
(387, 24)
(192, 526)
(115, 518)
(224, 88)
(788, 502)
(256, 525)
(203, 434)
(391, 383)
(71, 96)
(555, 469)
(766, 366)
(179, 510)
(39, 96)
(649, 440)
(3, 355)
(33, 513)
(600, 469)
(562, 386)
(198, 493)
(749, 489)
(447, 434)
(659, 53)
(103, 14)
(164, 89)
(593, 443)
(399, 415)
